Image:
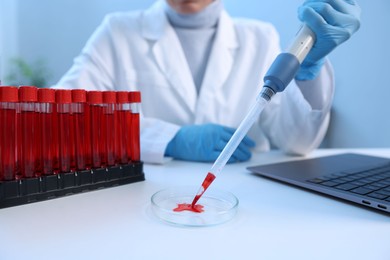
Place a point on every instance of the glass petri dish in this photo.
(218, 206)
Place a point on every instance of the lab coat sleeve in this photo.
(296, 123)
(155, 136)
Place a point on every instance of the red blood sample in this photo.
(109, 100)
(29, 141)
(8, 104)
(129, 145)
(95, 100)
(87, 136)
(121, 109)
(135, 100)
(186, 206)
(56, 141)
(46, 100)
(79, 98)
(206, 183)
(64, 100)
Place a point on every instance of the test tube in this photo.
(95, 100)
(129, 145)
(135, 100)
(79, 99)
(46, 102)
(29, 142)
(109, 100)
(87, 134)
(8, 103)
(121, 110)
(64, 100)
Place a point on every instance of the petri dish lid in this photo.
(218, 206)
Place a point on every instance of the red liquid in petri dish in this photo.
(188, 207)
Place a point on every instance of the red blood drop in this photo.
(186, 206)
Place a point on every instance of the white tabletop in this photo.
(274, 221)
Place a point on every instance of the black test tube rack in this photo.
(24, 191)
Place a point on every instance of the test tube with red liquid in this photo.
(64, 100)
(109, 100)
(135, 100)
(95, 101)
(79, 99)
(29, 139)
(45, 105)
(87, 135)
(8, 104)
(122, 111)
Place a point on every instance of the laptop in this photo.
(357, 178)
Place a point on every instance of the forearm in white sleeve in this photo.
(319, 91)
(296, 122)
(155, 136)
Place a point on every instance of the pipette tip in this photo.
(206, 183)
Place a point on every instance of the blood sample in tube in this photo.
(8, 103)
(79, 98)
(109, 100)
(64, 100)
(135, 100)
(122, 108)
(95, 100)
(29, 131)
(46, 102)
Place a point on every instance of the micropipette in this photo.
(279, 75)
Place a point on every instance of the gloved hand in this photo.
(205, 143)
(333, 22)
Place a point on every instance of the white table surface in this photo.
(274, 221)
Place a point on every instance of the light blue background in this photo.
(57, 30)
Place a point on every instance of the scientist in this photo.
(199, 72)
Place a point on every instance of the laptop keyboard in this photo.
(372, 182)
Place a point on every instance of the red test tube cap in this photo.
(63, 96)
(122, 97)
(94, 97)
(28, 94)
(135, 97)
(46, 95)
(79, 96)
(9, 94)
(109, 97)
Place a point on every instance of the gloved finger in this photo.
(227, 133)
(242, 153)
(214, 155)
(320, 14)
(232, 160)
(220, 144)
(343, 6)
(248, 141)
(326, 34)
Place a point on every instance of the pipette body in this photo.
(279, 75)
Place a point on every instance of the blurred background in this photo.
(40, 38)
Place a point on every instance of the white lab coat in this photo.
(140, 51)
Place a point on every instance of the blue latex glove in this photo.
(333, 22)
(205, 142)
